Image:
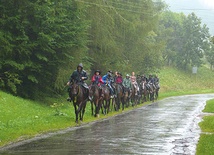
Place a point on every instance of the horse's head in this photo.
(74, 89)
(91, 90)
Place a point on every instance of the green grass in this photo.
(22, 119)
(209, 106)
(205, 145)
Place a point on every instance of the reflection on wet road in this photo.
(169, 126)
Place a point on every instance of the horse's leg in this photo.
(92, 108)
(79, 110)
(97, 108)
(103, 106)
(119, 100)
(83, 111)
(76, 112)
(157, 94)
(123, 103)
(117, 103)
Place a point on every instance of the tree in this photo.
(42, 37)
(194, 40)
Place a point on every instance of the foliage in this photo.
(41, 42)
(123, 35)
(37, 38)
(210, 56)
(187, 39)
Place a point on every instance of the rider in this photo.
(119, 79)
(144, 78)
(151, 79)
(156, 81)
(127, 83)
(115, 76)
(139, 79)
(107, 80)
(97, 78)
(79, 76)
(134, 82)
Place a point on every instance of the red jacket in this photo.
(119, 79)
(97, 79)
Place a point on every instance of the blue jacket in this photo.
(107, 78)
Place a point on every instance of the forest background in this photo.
(42, 41)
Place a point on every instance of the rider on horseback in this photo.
(97, 78)
(79, 76)
(134, 82)
(108, 80)
(150, 82)
(156, 82)
(144, 78)
(119, 79)
(138, 79)
(127, 84)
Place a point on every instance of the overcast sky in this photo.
(204, 9)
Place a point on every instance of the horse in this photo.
(95, 94)
(143, 91)
(151, 89)
(157, 88)
(134, 95)
(126, 96)
(79, 96)
(106, 99)
(119, 95)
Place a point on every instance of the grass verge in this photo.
(206, 141)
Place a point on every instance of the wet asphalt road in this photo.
(169, 126)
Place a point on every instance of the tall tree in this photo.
(194, 39)
(41, 36)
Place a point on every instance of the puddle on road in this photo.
(169, 126)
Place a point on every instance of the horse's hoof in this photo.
(98, 115)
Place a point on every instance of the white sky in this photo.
(204, 9)
(207, 3)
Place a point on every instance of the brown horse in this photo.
(119, 98)
(79, 96)
(126, 97)
(106, 99)
(95, 94)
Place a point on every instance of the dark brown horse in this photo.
(79, 96)
(119, 93)
(106, 99)
(95, 94)
(126, 97)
